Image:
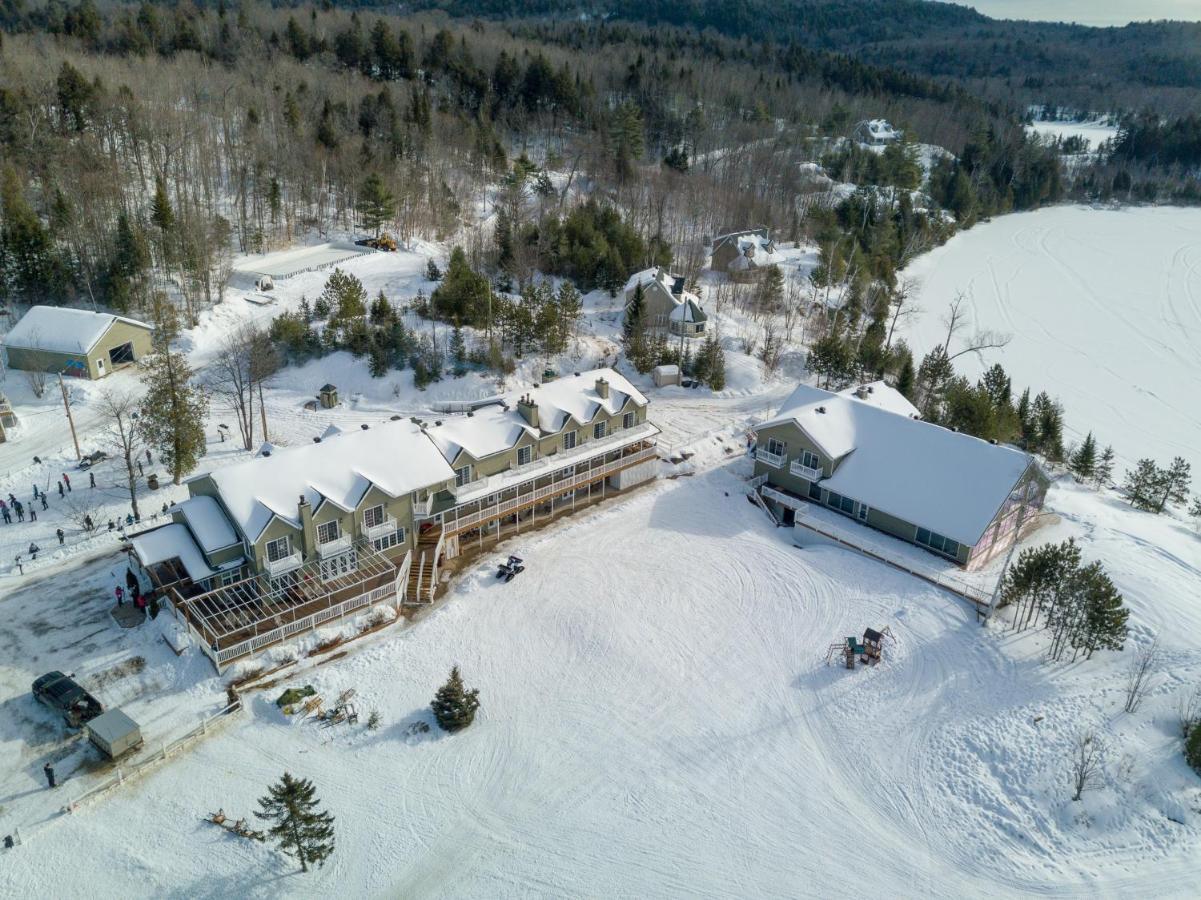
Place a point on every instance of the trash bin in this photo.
(152, 481)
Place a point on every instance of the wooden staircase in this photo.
(423, 573)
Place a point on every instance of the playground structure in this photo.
(869, 650)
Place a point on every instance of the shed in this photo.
(328, 395)
(665, 375)
(114, 733)
(76, 342)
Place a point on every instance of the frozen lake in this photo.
(1104, 307)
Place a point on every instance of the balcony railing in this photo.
(772, 459)
(809, 473)
(338, 545)
(383, 529)
(283, 565)
(423, 507)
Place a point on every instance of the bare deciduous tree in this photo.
(37, 382)
(956, 319)
(1142, 670)
(1088, 756)
(122, 436)
(244, 361)
(1189, 709)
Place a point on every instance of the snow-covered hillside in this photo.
(672, 730)
(1104, 309)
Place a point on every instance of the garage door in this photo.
(121, 354)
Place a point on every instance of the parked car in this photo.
(63, 694)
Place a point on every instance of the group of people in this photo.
(14, 507)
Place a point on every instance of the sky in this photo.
(1089, 12)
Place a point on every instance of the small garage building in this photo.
(75, 342)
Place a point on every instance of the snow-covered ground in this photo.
(1095, 133)
(672, 730)
(1104, 309)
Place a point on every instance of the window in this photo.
(389, 540)
(337, 566)
(569, 440)
(840, 503)
(864, 509)
(937, 542)
(121, 354)
(524, 455)
(280, 548)
(328, 531)
(598, 430)
(815, 491)
(777, 447)
(627, 421)
(373, 516)
(225, 579)
(462, 476)
(812, 460)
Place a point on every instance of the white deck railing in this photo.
(809, 473)
(277, 567)
(383, 529)
(772, 459)
(335, 547)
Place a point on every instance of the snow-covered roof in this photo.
(493, 429)
(688, 311)
(885, 396)
(61, 329)
(394, 456)
(880, 129)
(203, 515)
(666, 370)
(673, 283)
(925, 474)
(171, 542)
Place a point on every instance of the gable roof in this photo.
(493, 429)
(395, 456)
(61, 329)
(925, 474)
(171, 542)
(208, 524)
(885, 396)
(688, 311)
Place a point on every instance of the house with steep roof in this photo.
(866, 454)
(294, 537)
(666, 305)
(744, 255)
(75, 342)
(875, 133)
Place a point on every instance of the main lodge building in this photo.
(295, 537)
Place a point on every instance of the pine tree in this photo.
(381, 310)
(933, 376)
(1083, 463)
(771, 290)
(302, 829)
(1103, 471)
(378, 363)
(1105, 616)
(458, 352)
(1027, 431)
(1195, 510)
(831, 359)
(163, 218)
(907, 377)
(376, 204)
(1143, 485)
(172, 412)
(1048, 426)
(998, 385)
(344, 295)
(432, 272)
(571, 307)
(306, 311)
(1192, 748)
(634, 332)
(1175, 482)
(454, 707)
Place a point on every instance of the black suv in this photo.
(63, 694)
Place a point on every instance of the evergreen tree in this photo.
(1048, 426)
(1028, 431)
(1103, 471)
(1192, 748)
(432, 272)
(306, 311)
(1195, 510)
(344, 295)
(933, 376)
(714, 363)
(381, 310)
(458, 352)
(463, 294)
(1104, 614)
(626, 139)
(1144, 485)
(998, 385)
(129, 266)
(378, 362)
(504, 239)
(302, 829)
(162, 216)
(1083, 463)
(454, 707)
(771, 290)
(28, 265)
(907, 377)
(172, 412)
(570, 307)
(321, 309)
(376, 204)
(634, 331)
(1175, 481)
(831, 359)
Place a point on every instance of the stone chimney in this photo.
(602, 388)
(528, 409)
(308, 531)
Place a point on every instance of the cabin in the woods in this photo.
(75, 342)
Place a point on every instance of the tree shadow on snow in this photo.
(408, 730)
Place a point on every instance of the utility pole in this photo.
(263, 412)
(70, 421)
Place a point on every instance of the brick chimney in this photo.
(528, 409)
(602, 388)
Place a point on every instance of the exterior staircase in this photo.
(423, 575)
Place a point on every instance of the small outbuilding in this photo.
(76, 342)
(328, 395)
(114, 733)
(665, 375)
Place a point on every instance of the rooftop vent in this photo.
(396, 418)
(438, 423)
(470, 414)
(577, 374)
(266, 453)
(822, 410)
(316, 440)
(364, 426)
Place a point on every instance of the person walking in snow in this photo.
(140, 472)
(61, 492)
(20, 511)
(35, 490)
(33, 550)
(33, 514)
(8, 517)
(42, 497)
(67, 480)
(87, 523)
(120, 594)
(149, 458)
(49, 772)
(92, 479)
(61, 536)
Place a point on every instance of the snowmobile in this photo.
(511, 569)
